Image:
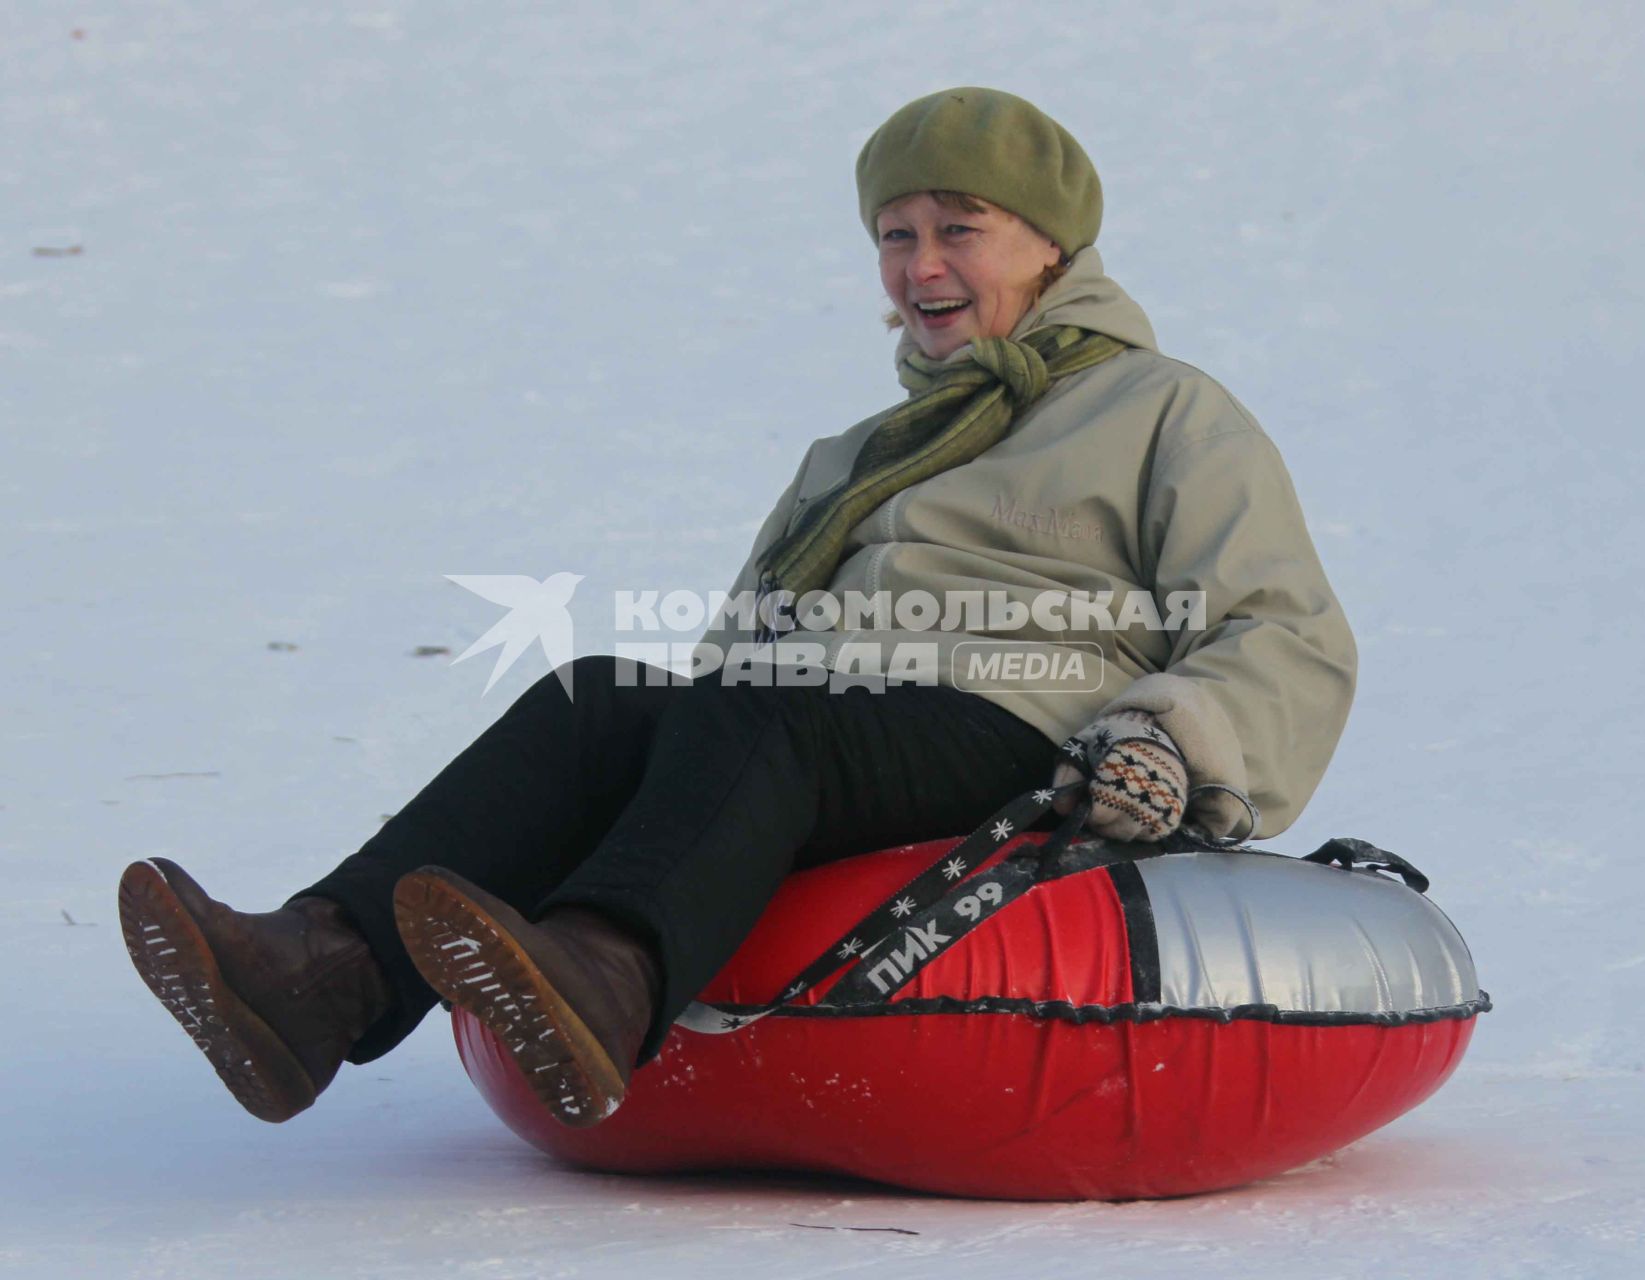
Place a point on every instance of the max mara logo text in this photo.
(1059, 524)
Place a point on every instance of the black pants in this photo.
(677, 808)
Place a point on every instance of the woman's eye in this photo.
(956, 227)
(892, 234)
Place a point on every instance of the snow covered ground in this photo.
(303, 307)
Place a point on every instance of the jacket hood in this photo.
(1085, 296)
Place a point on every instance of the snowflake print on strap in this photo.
(945, 874)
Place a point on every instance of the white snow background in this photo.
(369, 296)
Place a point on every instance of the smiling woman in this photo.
(957, 267)
(579, 874)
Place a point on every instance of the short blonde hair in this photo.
(968, 203)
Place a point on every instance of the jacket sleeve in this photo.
(723, 629)
(1258, 698)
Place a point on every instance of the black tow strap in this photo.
(1345, 851)
(948, 899)
(929, 913)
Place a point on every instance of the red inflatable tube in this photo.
(1077, 1043)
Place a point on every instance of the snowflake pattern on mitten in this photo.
(1138, 780)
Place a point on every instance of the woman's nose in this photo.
(926, 262)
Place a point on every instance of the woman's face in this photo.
(990, 261)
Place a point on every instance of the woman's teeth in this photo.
(942, 308)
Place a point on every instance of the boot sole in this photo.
(473, 961)
(175, 962)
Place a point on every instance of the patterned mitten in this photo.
(1139, 784)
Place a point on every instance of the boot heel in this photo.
(174, 961)
(471, 959)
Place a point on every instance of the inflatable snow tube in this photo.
(1086, 1026)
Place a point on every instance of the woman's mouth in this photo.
(941, 312)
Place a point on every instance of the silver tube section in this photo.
(1248, 928)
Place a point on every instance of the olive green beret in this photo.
(986, 143)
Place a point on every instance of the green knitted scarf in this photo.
(956, 412)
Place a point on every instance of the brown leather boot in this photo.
(571, 996)
(275, 1000)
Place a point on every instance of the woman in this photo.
(578, 874)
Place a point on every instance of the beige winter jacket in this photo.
(1142, 474)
